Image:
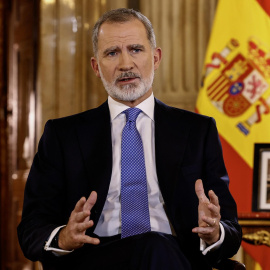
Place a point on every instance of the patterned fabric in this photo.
(134, 197)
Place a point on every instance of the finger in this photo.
(214, 210)
(206, 231)
(209, 235)
(82, 227)
(214, 206)
(90, 201)
(89, 240)
(81, 216)
(203, 230)
(211, 222)
(213, 198)
(79, 205)
(200, 190)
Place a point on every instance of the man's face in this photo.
(126, 61)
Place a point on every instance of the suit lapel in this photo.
(94, 135)
(171, 133)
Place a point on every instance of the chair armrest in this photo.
(231, 265)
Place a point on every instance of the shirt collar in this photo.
(147, 106)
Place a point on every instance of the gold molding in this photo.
(254, 222)
(258, 238)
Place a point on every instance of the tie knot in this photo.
(132, 114)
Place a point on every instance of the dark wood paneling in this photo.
(4, 185)
(22, 20)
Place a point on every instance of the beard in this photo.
(128, 92)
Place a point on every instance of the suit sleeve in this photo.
(216, 178)
(43, 201)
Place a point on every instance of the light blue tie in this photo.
(134, 197)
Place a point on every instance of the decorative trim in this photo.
(255, 222)
(258, 238)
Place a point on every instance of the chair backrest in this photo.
(231, 265)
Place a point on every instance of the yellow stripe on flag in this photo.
(257, 266)
(236, 77)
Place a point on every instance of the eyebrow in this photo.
(111, 49)
(136, 46)
(117, 48)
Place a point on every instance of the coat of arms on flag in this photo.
(241, 83)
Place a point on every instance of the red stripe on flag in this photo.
(260, 254)
(222, 91)
(240, 175)
(216, 86)
(265, 4)
(213, 84)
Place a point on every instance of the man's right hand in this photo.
(73, 235)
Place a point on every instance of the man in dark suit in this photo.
(74, 208)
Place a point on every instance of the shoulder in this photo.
(90, 119)
(94, 114)
(164, 111)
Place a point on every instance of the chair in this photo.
(224, 265)
(231, 265)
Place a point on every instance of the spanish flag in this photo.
(236, 92)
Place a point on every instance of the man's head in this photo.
(125, 55)
(122, 15)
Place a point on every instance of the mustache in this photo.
(126, 75)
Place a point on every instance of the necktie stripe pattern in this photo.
(134, 197)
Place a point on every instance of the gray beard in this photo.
(128, 92)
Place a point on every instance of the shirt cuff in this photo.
(55, 251)
(203, 245)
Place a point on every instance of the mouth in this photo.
(127, 78)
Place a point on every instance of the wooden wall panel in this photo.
(4, 184)
(22, 22)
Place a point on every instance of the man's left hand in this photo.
(208, 215)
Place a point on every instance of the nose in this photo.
(125, 62)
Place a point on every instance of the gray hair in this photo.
(122, 15)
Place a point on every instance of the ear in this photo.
(157, 57)
(94, 65)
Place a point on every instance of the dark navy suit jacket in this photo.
(75, 157)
